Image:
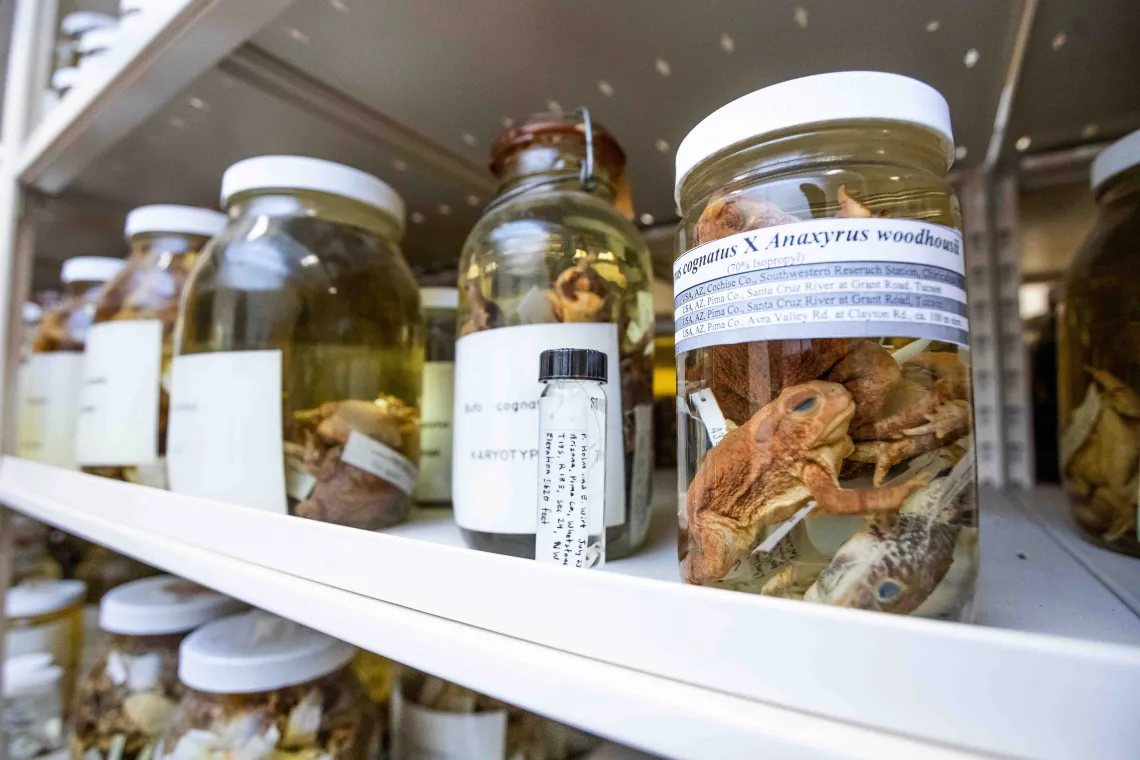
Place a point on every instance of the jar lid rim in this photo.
(90, 269)
(160, 605)
(186, 220)
(316, 174)
(817, 99)
(1116, 159)
(33, 598)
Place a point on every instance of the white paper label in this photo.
(118, 409)
(436, 407)
(495, 466)
(53, 408)
(299, 482)
(642, 480)
(151, 475)
(826, 278)
(379, 459)
(420, 733)
(224, 434)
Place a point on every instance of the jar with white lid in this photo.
(299, 350)
(56, 366)
(1099, 358)
(46, 617)
(436, 405)
(259, 686)
(825, 410)
(123, 703)
(31, 715)
(126, 378)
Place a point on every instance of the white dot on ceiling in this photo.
(177, 123)
(418, 218)
(801, 16)
(553, 106)
(507, 122)
(663, 67)
(198, 103)
(961, 152)
(1059, 40)
(400, 166)
(646, 219)
(473, 200)
(470, 139)
(727, 44)
(1089, 130)
(971, 59)
(339, 5)
(299, 36)
(605, 88)
(444, 209)
(662, 146)
(933, 25)
(1023, 143)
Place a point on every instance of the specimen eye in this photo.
(806, 405)
(888, 590)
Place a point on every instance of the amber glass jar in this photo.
(125, 394)
(299, 351)
(551, 264)
(1099, 358)
(260, 687)
(45, 616)
(825, 411)
(51, 411)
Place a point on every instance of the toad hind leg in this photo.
(835, 500)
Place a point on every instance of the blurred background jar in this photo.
(125, 699)
(259, 686)
(438, 401)
(45, 616)
(299, 351)
(125, 395)
(553, 263)
(56, 364)
(1099, 358)
(31, 715)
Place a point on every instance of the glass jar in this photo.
(31, 560)
(124, 701)
(299, 350)
(56, 366)
(46, 617)
(437, 405)
(1099, 342)
(259, 687)
(31, 714)
(130, 346)
(551, 264)
(825, 409)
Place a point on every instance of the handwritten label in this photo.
(381, 460)
(52, 408)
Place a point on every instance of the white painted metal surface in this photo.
(972, 687)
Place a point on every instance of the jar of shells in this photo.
(823, 356)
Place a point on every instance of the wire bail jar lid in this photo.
(186, 220)
(1117, 158)
(160, 605)
(303, 173)
(839, 96)
(257, 651)
(572, 364)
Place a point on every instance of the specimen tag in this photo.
(299, 482)
(379, 459)
(826, 278)
(710, 412)
(52, 407)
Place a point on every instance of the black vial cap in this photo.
(572, 364)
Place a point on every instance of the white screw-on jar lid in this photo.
(187, 220)
(90, 269)
(1119, 157)
(256, 651)
(79, 22)
(439, 298)
(33, 598)
(840, 96)
(162, 604)
(303, 173)
(28, 674)
(65, 78)
(96, 40)
(31, 312)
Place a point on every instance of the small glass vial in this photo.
(572, 458)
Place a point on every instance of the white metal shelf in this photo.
(660, 665)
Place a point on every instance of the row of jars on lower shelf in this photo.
(182, 672)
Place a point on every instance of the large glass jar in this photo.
(45, 617)
(823, 366)
(123, 702)
(437, 404)
(299, 351)
(259, 687)
(1099, 358)
(552, 264)
(56, 367)
(124, 399)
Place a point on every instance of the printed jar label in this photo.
(436, 407)
(495, 466)
(421, 733)
(118, 402)
(827, 278)
(52, 408)
(224, 434)
(379, 459)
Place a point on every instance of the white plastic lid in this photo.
(95, 40)
(90, 269)
(64, 78)
(187, 220)
(33, 598)
(31, 312)
(840, 96)
(162, 604)
(303, 173)
(439, 298)
(83, 21)
(30, 674)
(256, 651)
(1119, 157)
